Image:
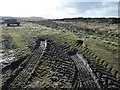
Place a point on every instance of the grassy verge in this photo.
(17, 35)
(104, 52)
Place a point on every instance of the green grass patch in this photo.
(103, 53)
(18, 40)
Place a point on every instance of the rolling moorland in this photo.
(61, 53)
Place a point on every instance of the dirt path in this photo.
(85, 76)
(25, 74)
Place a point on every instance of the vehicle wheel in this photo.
(8, 24)
(18, 24)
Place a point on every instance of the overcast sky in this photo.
(59, 8)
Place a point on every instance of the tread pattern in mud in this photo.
(55, 69)
(25, 74)
(65, 73)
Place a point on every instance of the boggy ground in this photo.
(24, 45)
(99, 34)
(55, 69)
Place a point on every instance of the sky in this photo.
(59, 8)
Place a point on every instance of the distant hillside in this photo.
(98, 20)
(32, 18)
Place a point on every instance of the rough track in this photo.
(77, 72)
(71, 71)
(22, 75)
(85, 77)
(30, 67)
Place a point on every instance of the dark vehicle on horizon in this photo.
(11, 21)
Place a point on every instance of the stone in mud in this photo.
(34, 85)
(54, 79)
(5, 62)
(62, 81)
(55, 85)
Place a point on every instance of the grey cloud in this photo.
(94, 9)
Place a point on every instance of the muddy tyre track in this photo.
(26, 68)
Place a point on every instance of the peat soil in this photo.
(56, 69)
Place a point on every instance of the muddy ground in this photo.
(48, 63)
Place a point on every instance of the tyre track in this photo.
(85, 77)
(21, 75)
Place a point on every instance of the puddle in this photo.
(6, 57)
(1, 55)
